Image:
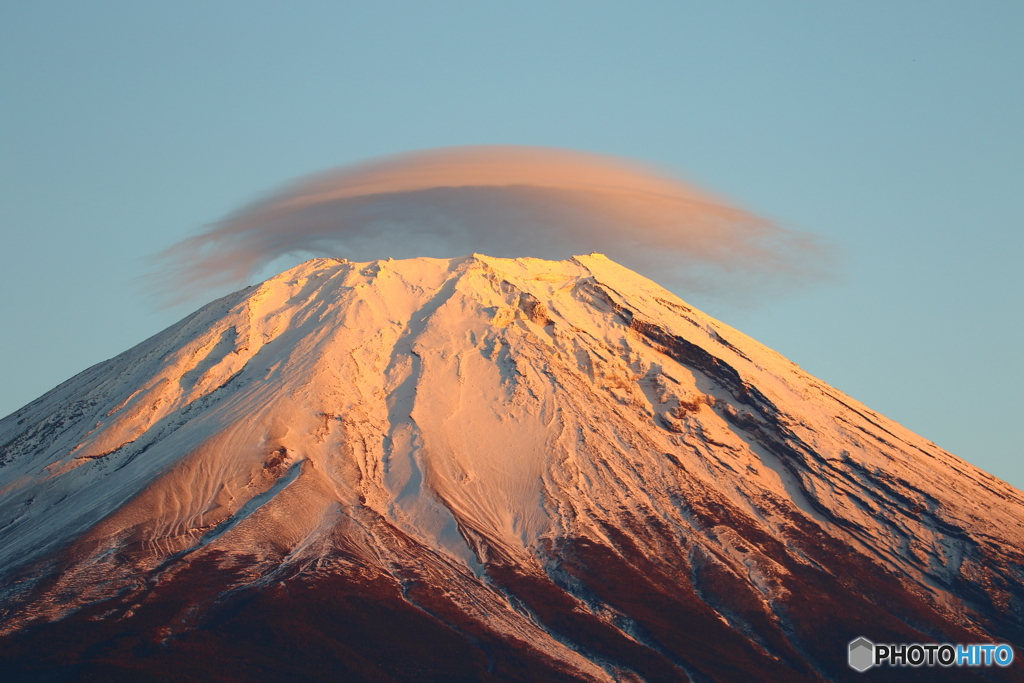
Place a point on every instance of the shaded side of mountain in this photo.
(346, 619)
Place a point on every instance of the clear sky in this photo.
(894, 130)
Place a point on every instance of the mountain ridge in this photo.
(533, 432)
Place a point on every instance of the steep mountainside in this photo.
(482, 469)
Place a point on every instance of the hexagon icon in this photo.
(862, 654)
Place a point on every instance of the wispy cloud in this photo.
(501, 201)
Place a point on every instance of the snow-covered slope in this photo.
(561, 459)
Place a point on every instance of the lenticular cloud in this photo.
(503, 201)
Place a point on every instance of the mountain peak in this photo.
(557, 457)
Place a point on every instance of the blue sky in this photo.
(894, 130)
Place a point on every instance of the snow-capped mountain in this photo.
(482, 469)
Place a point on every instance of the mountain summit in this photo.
(482, 469)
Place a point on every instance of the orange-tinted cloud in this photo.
(501, 201)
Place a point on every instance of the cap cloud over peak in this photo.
(506, 201)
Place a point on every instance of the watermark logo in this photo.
(863, 654)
